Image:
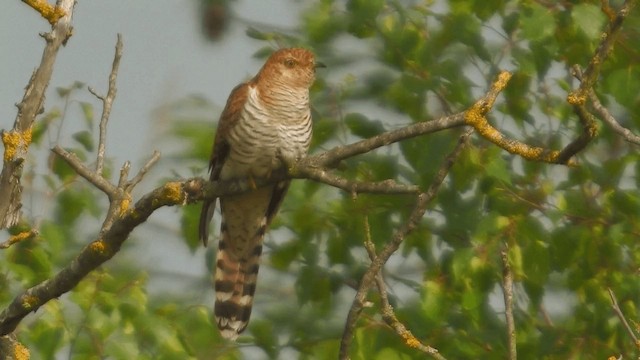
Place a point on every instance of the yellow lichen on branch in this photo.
(577, 98)
(497, 86)
(98, 246)
(15, 143)
(173, 193)
(29, 301)
(48, 11)
(410, 340)
(14, 239)
(20, 352)
(476, 118)
(125, 203)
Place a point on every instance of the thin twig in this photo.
(388, 186)
(124, 174)
(107, 103)
(507, 291)
(423, 199)
(388, 314)
(578, 97)
(604, 113)
(606, 116)
(98, 181)
(143, 171)
(618, 311)
(591, 74)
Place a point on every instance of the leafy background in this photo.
(572, 232)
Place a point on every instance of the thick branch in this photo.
(332, 157)
(11, 349)
(16, 141)
(105, 246)
(476, 117)
(14, 239)
(51, 13)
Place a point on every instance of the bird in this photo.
(265, 120)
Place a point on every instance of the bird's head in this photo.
(294, 67)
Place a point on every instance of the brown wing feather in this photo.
(220, 151)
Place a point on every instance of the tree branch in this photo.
(420, 208)
(476, 117)
(618, 311)
(14, 239)
(606, 116)
(11, 349)
(308, 170)
(577, 98)
(107, 102)
(332, 157)
(507, 292)
(98, 181)
(604, 113)
(388, 314)
(49, 12)
(17, 140)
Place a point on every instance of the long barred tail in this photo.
(235, 284)
(245, 218)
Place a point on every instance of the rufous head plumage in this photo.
(295, 67)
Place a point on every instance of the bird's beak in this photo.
(320, 65)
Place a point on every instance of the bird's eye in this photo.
(289, 63)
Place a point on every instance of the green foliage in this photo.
(571, 233)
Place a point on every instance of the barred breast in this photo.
(261, 134)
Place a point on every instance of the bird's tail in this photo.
(245, 219)
(235, 284)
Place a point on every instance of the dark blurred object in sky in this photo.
(214, 18)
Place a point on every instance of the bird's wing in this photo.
(220, 151)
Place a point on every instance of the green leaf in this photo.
(589, 19)
(189, 223)
(361, 126)
(87, 111)
(85, 139)
(623, 84)
(538, 22)
(49, 336)
(323, 23)
(42, 125)
(498, 168)
(432, 300)
(257, 34)
(265, 337)
(363, 15)
(60, 167)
